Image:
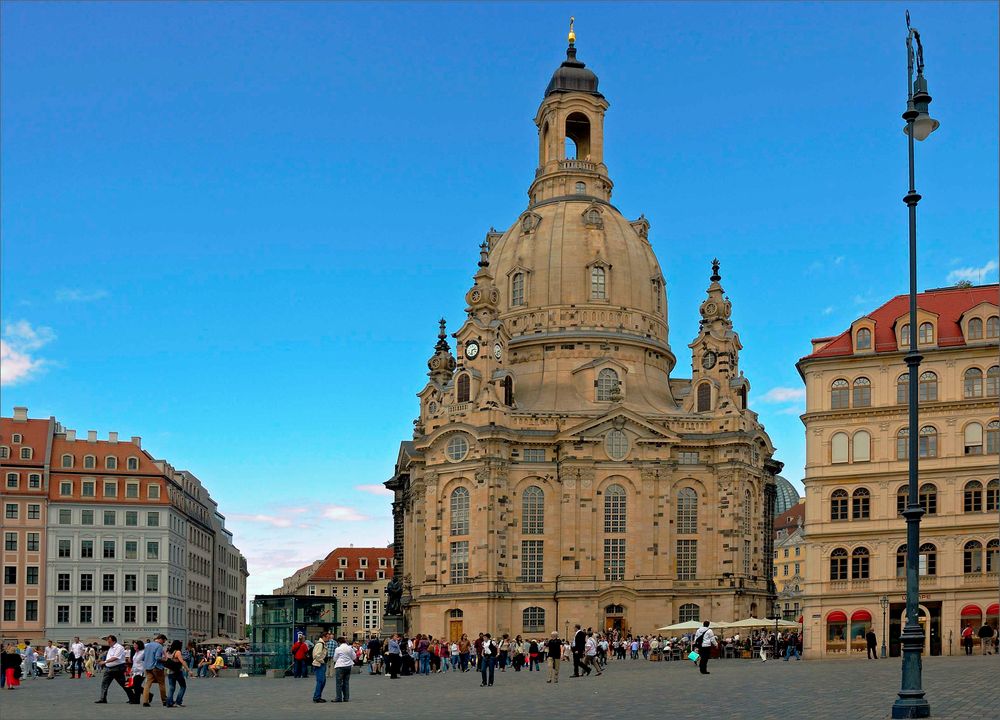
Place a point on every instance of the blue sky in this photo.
(231, 228)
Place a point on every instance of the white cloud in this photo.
(18, 362)
(76, 295)
(783, 394)
(839, 260)
(343, 513)
(792, 410)
(972, 274)
(375, 490)
(828, 310)
(275, 520)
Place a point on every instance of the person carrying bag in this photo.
(704, 641)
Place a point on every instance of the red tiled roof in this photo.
(949, 304)
(34, 434)
(328, 569)
(791, 518)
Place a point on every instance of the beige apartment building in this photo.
(790, 560)
(856, 473)
(568, 466)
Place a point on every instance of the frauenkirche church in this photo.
(558, 472)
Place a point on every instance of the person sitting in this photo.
(218, 664)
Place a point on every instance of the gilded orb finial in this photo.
(572, 35)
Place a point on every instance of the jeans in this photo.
(175, 680)
(487, 665)
(425, 663)
(202, 671)
(464, 659)
(534, 662)
(320, 673)
(76, 667)
(342, 678)
(444, 663)
(299, 668)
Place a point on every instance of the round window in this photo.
(616, 444)
(458, 448)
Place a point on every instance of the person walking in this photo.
(175, 667)
(487, 660)
(152, 661)
(792, 647)
(10, 667)
(319, 658)
(704, 641)
(51, 657)
(300, 651)
(554, 651)
(343, 662)
(114, 671)
(374, 656)
(590, 654)
(392, 657)
(967, 639)
(870, 641)
(986, 638)
(579, 645)
(504, 648)
(138, 675)
(76, 651)
(463, 652)
(423, 655)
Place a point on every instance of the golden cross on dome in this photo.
(572, 35)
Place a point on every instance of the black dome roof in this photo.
(572, 76)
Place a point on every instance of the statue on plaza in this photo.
(394, 591)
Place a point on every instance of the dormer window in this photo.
(16, 438)
(863, 340)
(89, 462)
(993, 328)
(382, 562)
(133, 463)
(360, 574)
(704, 397)
(607, 384)
(111, 462)
(925, 334)
(363, 562)
(517, 289)
(340, 576)
(26, 453)
(975, 329)
(904, 335)
(67, 460)
(342, 561)
(598, 284)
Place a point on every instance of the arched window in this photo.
(925, 334)
(860, 561)
(578, 135)
(607, 384)
(993, 496)
(533, 510)
(993, 327)
(89, 462)
(928, 387)
(838, 564)
(614, 509)
(973, 383)
(598, 284)
(838, 504)
(111, 462)
(517, 289)
(133, 463)
(972, 497)
(862, 392)
(928, 498)
(903, 389)
(689, 612)
(862, 442)
(864, 339)
(687, 511)
(974, 439)
(992, 556)
(904, 334)
(928, 441)
(902, 497)
(901, 561)
(838, 448)
(533, 619)
(993, 437)
(457, 448)
(975, 329)
(67, 461)
(928, 559)
(508, 390)
(993, 381)
(616, 444)
(463, 388)
(581, 188)
(456, 614)
(972, 557)
(704, 397)
(747, 512)
(903, 444)
(460, 511)
(861, 504)
(839, 394)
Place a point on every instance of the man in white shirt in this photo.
(590, 654)
(51, 655)
(343, 662)
(76, 659)
(114, 670)
(704, 640)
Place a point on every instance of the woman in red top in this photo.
(300, 653)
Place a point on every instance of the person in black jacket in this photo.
(579, 645)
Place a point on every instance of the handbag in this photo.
(693, 656)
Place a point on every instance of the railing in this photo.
(459, 407)
(584, 165)
(979, 579)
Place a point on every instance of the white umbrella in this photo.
(754, 623)
(681, 627)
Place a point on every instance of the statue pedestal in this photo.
(392, 624)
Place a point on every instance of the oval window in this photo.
(458, 448)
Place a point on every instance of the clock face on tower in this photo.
(497, 351)
(708, 360)
(471, 349)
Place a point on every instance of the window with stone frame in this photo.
(607, 384)
(615, 501)
(598, 284)
(458, 562)
(838, 564)
(533, 619)
(687, 511)
(614, 559)
(927, 387)
(838, 505)
(687, 559)
(861, 504)
(459, 511)
(972, 383)
(517, 289)
(533, 511)
(840, 394)
(862, 392)
(689, 612)
(532, 559)
(860, 563)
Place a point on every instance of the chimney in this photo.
(71, 436)
(137, 441)
(113, 437)
(20, 413)
(91, 436)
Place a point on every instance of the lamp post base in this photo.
(911, 708)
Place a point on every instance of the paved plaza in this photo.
(958, 688)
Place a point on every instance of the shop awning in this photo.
(836, 617)
(861, 616)
(993, 609)
(971, 611)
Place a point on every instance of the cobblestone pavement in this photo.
(958, 688)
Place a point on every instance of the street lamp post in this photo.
(911, 702)
(884, 602)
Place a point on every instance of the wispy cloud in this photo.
(342, 512)
(274, 520)
(18, 361)
(783, 395)
(972, 274)
(839, 260)
(828, 310)
(374, 490)
(791, 410)
(80, 296)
